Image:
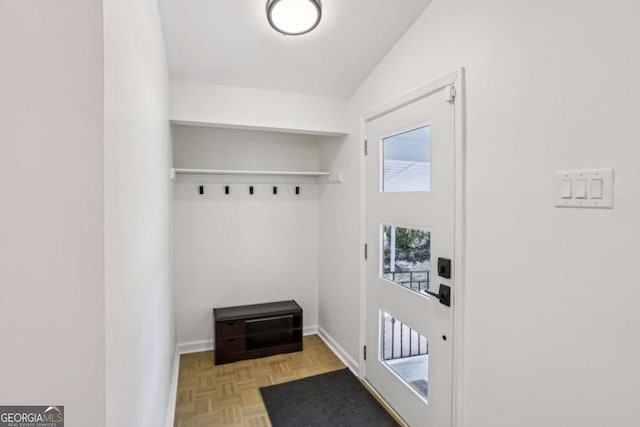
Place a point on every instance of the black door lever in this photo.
(443, 295)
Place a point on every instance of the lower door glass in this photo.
(406, 352)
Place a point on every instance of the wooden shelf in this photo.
(327, 131)
(331, 177)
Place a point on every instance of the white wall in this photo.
(51, 209)
(551, 314)
(200, 147)
(242, 249)
(341, 247)
(259, 109)
(140, 321)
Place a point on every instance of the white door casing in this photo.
(438, 211)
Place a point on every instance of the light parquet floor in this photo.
(228, 395)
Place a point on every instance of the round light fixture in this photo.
(294, 17)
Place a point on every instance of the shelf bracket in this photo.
(334, 178)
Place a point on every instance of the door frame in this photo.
(455, 79)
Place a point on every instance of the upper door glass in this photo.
(407, 161)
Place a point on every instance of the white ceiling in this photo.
(229, 42)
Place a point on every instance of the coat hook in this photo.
(201, 189)
(226, 189)
(297, 190)
(251, 189)
(275, 190)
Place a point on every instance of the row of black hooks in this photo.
(227, 190)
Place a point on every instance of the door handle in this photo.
(443, 295)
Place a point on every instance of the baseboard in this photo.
(195, 346)
(207, 345)
(310, 330)
(173, 390)
(339, 351)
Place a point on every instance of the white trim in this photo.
(310, 330)
(195, 346)
(412, 97)
(207, 345)
(308, 131)
(339, 351)
(241, 172)
(460, 208)
(456, 79)
(320, 177)
(173, 390)
(363, 261)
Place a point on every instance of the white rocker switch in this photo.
(581, 188)
(596, 188)
(585, 188)
(566, 189)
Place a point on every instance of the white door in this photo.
(410, 226)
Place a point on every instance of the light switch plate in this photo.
(599, 188)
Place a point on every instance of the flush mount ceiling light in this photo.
(294, 17)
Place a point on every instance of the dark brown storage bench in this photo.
(258, 330)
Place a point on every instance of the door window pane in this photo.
(407, 161)
(406, 257)
(406, 352)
